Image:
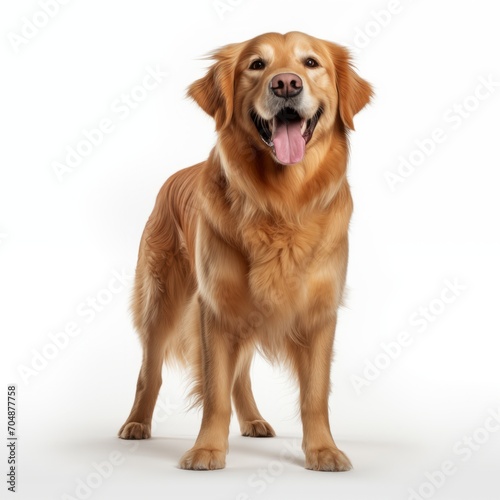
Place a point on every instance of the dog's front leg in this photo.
(219, 360)
(313, 366)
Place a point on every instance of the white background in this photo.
(61, 242)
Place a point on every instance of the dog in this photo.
(248, 250)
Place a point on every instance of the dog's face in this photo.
(283, 92)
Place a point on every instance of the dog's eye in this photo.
(311, 63)
(258, 64)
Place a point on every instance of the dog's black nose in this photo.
(286, 85)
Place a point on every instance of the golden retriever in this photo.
(248, 249)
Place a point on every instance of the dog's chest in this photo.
(282, 262)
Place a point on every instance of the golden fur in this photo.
(243, 252)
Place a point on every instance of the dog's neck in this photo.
(253, 179)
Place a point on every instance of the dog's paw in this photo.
(257, 428)
(327, 459)
(135, 430)
(202, 459)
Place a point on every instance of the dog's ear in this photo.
(354, 93)
(214, 93)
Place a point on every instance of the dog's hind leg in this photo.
(155, 309)
(138, 424)
(251, 421)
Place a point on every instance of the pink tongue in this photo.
(289, 144)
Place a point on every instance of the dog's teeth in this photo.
(304, 127)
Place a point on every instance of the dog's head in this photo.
(284, 92)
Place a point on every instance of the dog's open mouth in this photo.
(287, 133)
